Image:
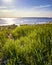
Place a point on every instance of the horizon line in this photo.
(27, 17)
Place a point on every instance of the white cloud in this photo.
(7, 4)
(7, 1)
(36, 11)
(3, 7)
(25, 13)
(42, 6)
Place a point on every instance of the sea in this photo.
(24, 20)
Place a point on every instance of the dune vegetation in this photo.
(26, 45)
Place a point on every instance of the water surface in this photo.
(24, 20)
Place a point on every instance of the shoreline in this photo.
(4, 25)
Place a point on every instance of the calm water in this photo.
(29, 20)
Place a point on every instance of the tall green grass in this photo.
(26, 45)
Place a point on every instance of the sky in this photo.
(25, 8)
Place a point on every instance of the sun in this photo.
(7, 1)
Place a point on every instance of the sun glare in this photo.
(9, 21)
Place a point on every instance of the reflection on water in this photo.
(8, 20)
(18, 21)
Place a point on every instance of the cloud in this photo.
(36, 11)
(25, 13)
(7, 1)
(42, 6)
(3, 7)
(7, 4)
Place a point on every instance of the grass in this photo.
(26, 45)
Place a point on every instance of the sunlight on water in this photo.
(21, 21)
(9, 21)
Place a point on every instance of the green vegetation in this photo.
(26, 45)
